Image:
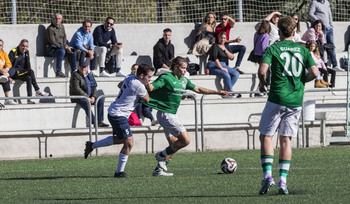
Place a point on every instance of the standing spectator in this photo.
(84, 84)
(163, 52)
(205, 35)
(273, 18)
(282, 110)
(102, 35)
(321, 10)
(22, 70)
(132, 91)
(165, 95)
(218, 63)
(226, 23)
(5, 66)
(83, 42)
(57, 45)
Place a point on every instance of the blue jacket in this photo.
(80, 39)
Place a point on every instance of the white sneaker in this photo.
(161, 173)
(120, 74)
(30, 101)
(41, 93)
(161, 161)
(104, 74)
(94, 73)
(3, 79)
(10, 102)
(336, 68)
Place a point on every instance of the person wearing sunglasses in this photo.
(102, 35)
(226, 23)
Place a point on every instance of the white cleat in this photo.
(161, 161)
(161, 173)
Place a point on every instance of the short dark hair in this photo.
(177, 62)
(167, 30)
(24, 40)
(87, 21)
(224, 13)
(109, 18)
(286, 26)
(144, 69)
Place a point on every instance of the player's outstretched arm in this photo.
(202, 90)
(313, 73)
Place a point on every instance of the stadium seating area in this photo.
(69, 121)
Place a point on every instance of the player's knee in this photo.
(129, 142)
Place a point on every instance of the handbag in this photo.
(201, 47)
(252, 57)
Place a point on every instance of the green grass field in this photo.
(317, 175)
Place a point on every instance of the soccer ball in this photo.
(228, 165)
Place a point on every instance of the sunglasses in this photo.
(108, 23)
(296, 19)
(223, 19)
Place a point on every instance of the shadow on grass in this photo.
(51, 178)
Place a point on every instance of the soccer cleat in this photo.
(121, 174)
(88, 149)
(266, 184)
(120, 74)
(104, 74)
(161, 161)
(41, 93)
(60, 74)
(161, 172)
(3, 79)
(282, 188)
(10, 102)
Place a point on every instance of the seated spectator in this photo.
(22, 70)
(102, 35)
(5, 66)
(297, 37)
(83, 84)
(218, 63)
(226, 23)
(205, 35)
(315, 33)
(57, 45)
(163, 52)
(273, 18)
(83, 42)
(319, 82)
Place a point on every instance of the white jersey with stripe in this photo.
(129, 95)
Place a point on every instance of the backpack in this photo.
(344, 62)
(110, 64)
(193, 68)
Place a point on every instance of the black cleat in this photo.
(88, 149)
(121, 174)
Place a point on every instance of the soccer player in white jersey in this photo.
(288, 61)
(132, 90)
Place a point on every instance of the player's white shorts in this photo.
(283, 117)
(170, 123)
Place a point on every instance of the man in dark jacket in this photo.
(22, 70)
(83, 84)
(163, 52)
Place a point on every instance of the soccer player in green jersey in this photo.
(165, 96)
(288, 61)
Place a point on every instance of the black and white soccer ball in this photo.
(228, 165)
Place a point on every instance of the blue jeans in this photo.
(83, 55)
(84, 105)
(241, 51)
(329, 39)
(60, 54)
(229, 78)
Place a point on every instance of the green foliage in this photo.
(317, 175)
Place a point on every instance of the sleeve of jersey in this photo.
(267, 56)
(190, 85)
(141, 91)
(158, 83)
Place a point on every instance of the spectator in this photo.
(5, 66)
(57, 45)
(319, 82)
(22, 70)
(83, 84)
(218, 63)
(83, 42)
(163, 52)
(321, 10)
(273, 18)
(102, 35)
(205, 35)
(297, 37)
(226, 23)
